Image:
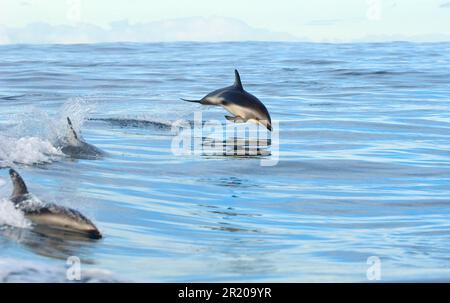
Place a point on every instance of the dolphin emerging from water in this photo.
(49, 214)
(76, 147)
(243, 105)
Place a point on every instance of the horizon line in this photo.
(232, 42)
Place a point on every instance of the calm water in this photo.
(364, 165)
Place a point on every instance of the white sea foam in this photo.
(35, 137)
(27, 150)
(10, 216)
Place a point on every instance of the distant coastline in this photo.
(194, 29)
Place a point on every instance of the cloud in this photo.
(444, 5)
(323, 22)
(197, 29)
(214, 29)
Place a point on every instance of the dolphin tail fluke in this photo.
(19, 185)
(237, 81)
(194, 101)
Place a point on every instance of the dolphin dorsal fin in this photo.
(237, 81)
(20, 188)
(73, 137)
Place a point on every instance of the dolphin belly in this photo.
(245, 114)
(240, 111)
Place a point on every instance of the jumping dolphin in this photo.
(76, 147)
(243, 105)
(49, 214)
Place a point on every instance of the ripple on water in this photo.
(363, 168)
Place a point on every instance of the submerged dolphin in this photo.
(49, 214)
(76, 147)
(243, 105)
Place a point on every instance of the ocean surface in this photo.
(362, 168)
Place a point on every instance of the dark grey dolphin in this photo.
(76, 147)
(49, 214)
(243, 105)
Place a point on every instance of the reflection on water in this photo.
(236, 141)
(224, 226)
(235, 147)
(51, 242)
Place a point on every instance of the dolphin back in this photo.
(82, 150)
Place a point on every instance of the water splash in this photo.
(27, 150)
(10, 216)
(36, 137)
(33, 122)
(77, 109)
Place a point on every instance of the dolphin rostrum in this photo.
(49, 214)
(243, 105)
(73, 145)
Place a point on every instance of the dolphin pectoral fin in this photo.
(236, 119)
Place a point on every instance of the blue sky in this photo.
(318, 20)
